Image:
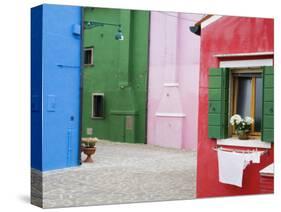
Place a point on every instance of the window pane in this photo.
(88, 56)
(244, 96)
(258, 103)
(98, 106)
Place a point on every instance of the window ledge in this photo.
(244, 143)
(171, 84)
(268, 171)
(176, 115)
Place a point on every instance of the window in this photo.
(246, 97)
(89, 56)
(97, 105)
(247, 92)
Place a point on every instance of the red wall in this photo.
(227, 35)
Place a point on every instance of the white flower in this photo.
(249, 120)
(235, 119)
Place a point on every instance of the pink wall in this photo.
(173, 81)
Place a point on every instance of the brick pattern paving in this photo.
(123, 173)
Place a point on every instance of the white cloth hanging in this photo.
(232, 165)
(256, 156)
(253, 157)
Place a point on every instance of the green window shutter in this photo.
(218, 90)
(268, 105)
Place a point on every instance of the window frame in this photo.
(233, 97)
(91, 48)
(92, 106)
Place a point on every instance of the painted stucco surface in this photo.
(120, 72)
(55, 88)
(173, 80)
(228, 35)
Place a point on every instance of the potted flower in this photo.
(88, 146)
(241, 125)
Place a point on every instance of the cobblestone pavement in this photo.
(123, 173)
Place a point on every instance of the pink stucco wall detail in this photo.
(173, 81)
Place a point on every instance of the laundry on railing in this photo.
(232, 162)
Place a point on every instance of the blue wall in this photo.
(36, 88)
(55, 89)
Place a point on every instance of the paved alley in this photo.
(123, 173)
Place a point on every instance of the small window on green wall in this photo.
(89, 56)
(247, 92)
(97, 105)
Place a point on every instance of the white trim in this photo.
(210, 20)
(244, 143)
(267, 170)
(245, 54)
(179, 115)
(97, 94)
(171, 84)
(246, 63)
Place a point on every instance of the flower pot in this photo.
(89, 151)
(243, 135)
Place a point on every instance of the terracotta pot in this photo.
(89, 151)
(242, 135)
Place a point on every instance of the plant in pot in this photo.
(242, 126)
(88, 146)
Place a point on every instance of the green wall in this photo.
(120, 72)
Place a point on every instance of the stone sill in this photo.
(175, 115)
(268, 171)
(255, 143)
(171, 84)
